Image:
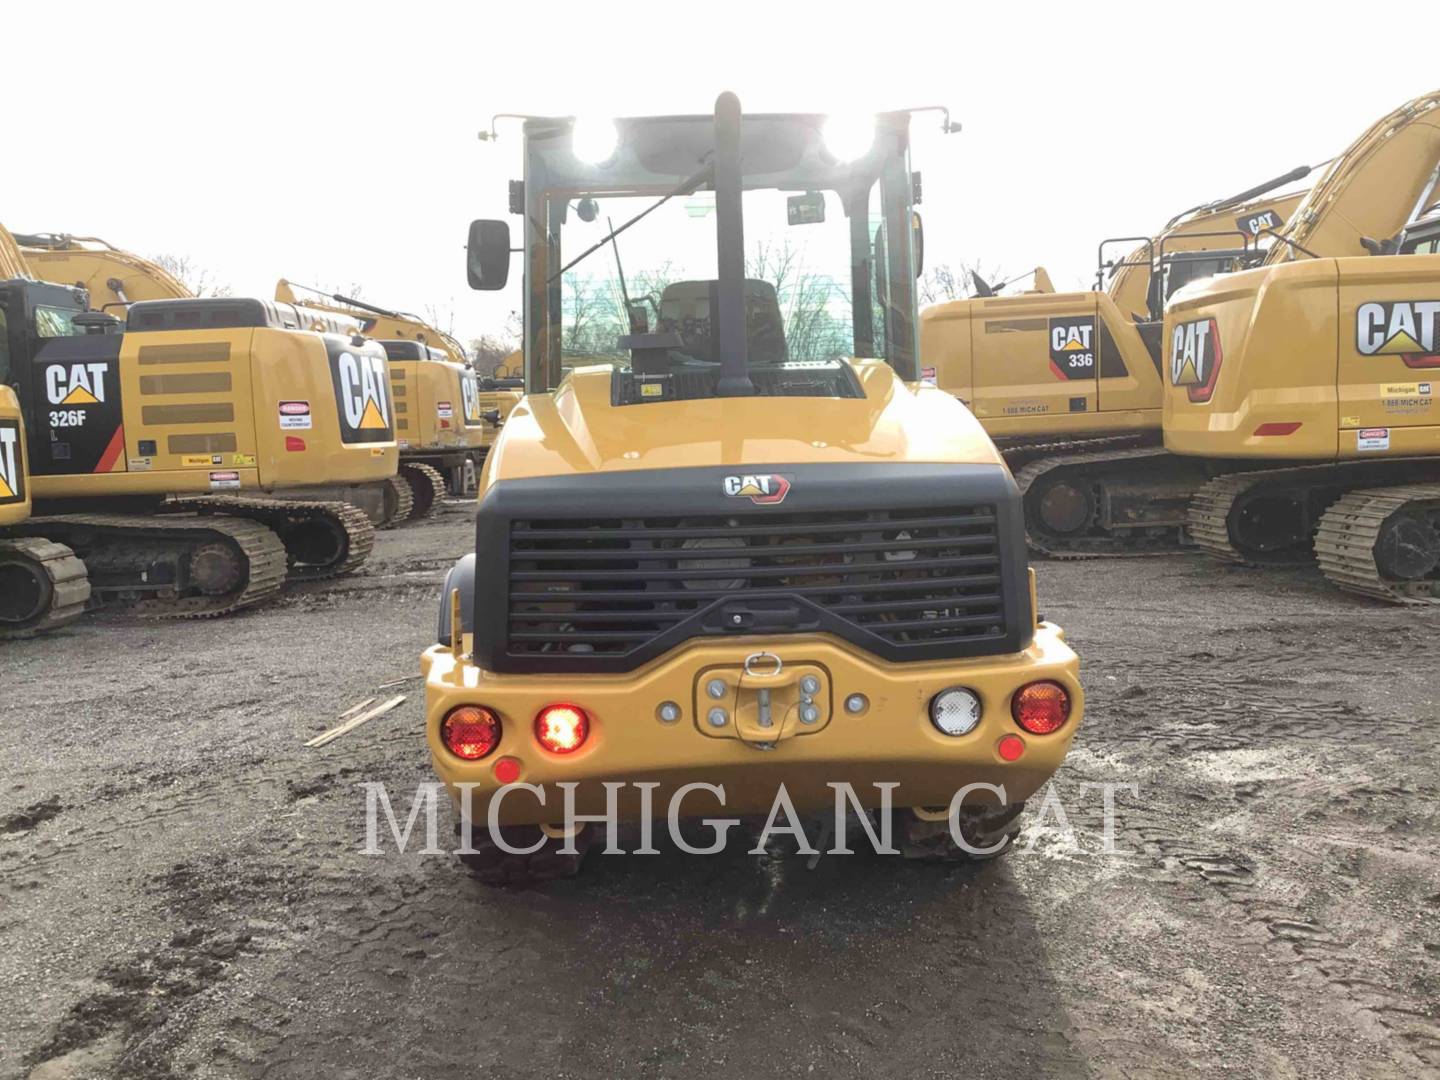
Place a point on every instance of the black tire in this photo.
(493, 865)
(986, 826)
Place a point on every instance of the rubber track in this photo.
(1347, 534)
(353, 522)
(1019, 454)
(417, 474)
(1210, 511)
(403, 500)
(69, 583)
(1089, 547)
(261, 548)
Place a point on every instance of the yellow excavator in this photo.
(1310, 381)
(155, 452)
(443, 425)
(1069, 384)
(43, 586)
(115, 279)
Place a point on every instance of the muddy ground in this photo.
(182, 891)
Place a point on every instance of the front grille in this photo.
(905, 583)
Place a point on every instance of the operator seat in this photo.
(686, 309)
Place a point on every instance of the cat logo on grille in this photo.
(762, 489)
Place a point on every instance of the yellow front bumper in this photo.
(891, 741)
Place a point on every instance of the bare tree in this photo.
(442, 319)
(815, 308)
(944, 282)
(592, 316)
(490, 351)
(193, 276)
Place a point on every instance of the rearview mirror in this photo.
(807, 209)
(917, 240)
(487, 255)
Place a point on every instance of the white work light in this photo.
(849, 137)
(593, 139)
(955, 711)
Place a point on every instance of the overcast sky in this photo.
(336, 143)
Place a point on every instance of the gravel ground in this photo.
(182, 891)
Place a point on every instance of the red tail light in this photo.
(294, 443)
(562, 728)
(1040, 707)
(470, 731)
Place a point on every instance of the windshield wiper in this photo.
(686, 188)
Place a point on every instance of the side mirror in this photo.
(917, 240)
(96, 322)
(487, 255)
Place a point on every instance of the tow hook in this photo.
(763, 700)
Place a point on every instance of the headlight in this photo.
(955, 711)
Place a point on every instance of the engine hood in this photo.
(577, 430)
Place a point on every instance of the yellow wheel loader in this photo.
(1310, 382)
(748, 550)
(442, 425)
(43, 586)
(157, 453)
(1069, 384)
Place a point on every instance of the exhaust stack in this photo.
(730, 251)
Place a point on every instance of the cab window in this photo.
(53, 322)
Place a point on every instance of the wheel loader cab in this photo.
(727, 536)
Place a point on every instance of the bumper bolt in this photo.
(809, 714)
(718, 717)
(810, 685)
(715, 688)
(668, 712)
(856, 703)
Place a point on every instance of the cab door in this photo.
(1389, 355)
(1036, 362)
(75, 403)
(1129, 372)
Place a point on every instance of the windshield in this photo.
(625, 272)
(53, 322)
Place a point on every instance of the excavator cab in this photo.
(1422, 236)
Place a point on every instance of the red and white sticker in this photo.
(294, 416)
(444, 410)
(222, 481)
(1372, 438)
